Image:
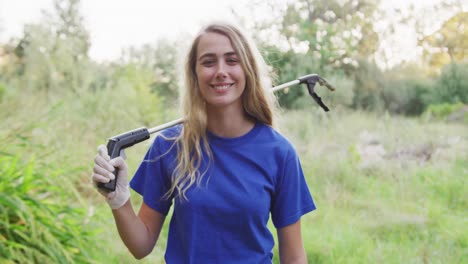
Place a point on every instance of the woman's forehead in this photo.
(214, 43)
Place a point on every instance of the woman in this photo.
(225, 169)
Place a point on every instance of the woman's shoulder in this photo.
(166, 138)
(271, 135)
(171, 132)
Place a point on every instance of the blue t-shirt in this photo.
(225, 218)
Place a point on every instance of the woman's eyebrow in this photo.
(205, 55)
(227, 54)
(211, 55)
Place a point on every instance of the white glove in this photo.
(103, 173)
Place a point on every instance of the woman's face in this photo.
(219, 72)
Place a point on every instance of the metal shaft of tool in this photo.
(166, 125)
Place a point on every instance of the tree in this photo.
(424, 23)
(53, 55)
(325, 37)
(449, 43)
(160, 61)
(337, 32)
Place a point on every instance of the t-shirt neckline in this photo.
(235, 140)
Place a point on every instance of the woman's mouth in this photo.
(221, 86)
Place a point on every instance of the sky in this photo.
(118, 24)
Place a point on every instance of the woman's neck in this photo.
(229, 122)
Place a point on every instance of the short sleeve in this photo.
(152, 178)
(292, 197)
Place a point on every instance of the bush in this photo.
(368, 85)
(406, 96)
(442, 111)
(452, 85)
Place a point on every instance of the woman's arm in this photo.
(291, 248)
(139, 233)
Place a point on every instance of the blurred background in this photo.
(387, 166)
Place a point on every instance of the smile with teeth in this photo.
(221, 87)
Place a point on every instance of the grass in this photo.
(394, 211)
(398, 206)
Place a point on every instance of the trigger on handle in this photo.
(109, 186)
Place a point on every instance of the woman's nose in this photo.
(221, 71)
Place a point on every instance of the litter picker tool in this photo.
(120, 142)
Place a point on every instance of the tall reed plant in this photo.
(41, 217)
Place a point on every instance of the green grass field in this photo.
(388, 189)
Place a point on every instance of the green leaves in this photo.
(38, 222)
(449, 43)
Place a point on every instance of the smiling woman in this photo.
(221, 78)
(232, 169)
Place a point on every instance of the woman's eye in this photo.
(207, 62)
(232, 61)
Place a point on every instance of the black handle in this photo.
(117, 144)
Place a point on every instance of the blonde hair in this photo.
(257, 99)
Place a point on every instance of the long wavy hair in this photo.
(258, 102)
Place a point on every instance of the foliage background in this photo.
(387, 166)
